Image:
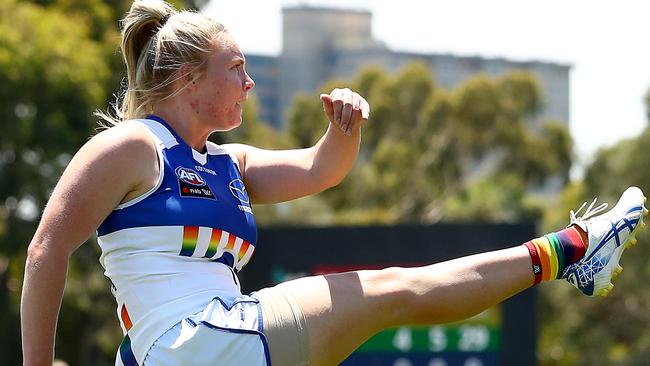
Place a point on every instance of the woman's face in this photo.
(218, 94)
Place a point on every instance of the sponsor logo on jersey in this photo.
(207, 170)
(189, 176)
(191, 184)
(238, 190)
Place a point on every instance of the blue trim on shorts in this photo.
(260, 317)
(126, 353)
(189, 320)
(267, 351)
(238, 300)
(260, 327)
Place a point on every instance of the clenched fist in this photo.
(346, 109)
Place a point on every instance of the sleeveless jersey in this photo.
(169, 252)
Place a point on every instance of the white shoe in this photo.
(609, 235)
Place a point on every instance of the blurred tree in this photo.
(58, 63)
(570, 335)
(647, 104)
(48, 90)
(477, 153)
(307, 122)
(429, 151)
(196, 4)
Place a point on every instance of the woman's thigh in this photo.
(340, 312)
(343, 310)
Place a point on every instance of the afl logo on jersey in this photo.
(191, 184)
(189, 176)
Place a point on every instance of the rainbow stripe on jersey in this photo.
(221, 246)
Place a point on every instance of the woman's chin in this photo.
(236, 122)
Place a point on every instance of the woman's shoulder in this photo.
(125, 135)
(124, 141)
(237, 153)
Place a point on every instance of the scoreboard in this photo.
(474, 342)
(502, 335)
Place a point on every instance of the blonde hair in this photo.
(156, 41)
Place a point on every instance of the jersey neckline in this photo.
(197, 155)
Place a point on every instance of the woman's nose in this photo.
(249, 83)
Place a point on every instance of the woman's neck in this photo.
(184, 123)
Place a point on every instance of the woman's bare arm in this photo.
(280, 175)
(106, 169)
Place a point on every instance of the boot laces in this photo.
(590, 212)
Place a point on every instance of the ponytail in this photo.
(156, 41)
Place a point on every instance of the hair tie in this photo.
(164, 19)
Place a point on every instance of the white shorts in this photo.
(227, 333)
(234, 332)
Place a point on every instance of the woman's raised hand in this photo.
(346, 109)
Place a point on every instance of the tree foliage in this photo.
(58, 63)
(587, 332)
(428, 150)
(478, 151)
(48, 89)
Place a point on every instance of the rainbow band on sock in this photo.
(544, 259)
(572, 253)
(544, 249)
(547, 257)
(537, 264)
(554, 240)
(551, 253)
(552, 257)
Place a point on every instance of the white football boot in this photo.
(609, 235)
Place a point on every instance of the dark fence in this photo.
(287, 252)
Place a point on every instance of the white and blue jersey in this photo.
(172, 250)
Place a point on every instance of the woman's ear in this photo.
(187, 77)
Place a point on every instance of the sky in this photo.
(605, 42)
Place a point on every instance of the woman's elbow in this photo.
(40, 252)
(36, 254)
(330, 182)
